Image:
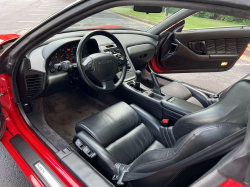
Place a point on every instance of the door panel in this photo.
(205, 50)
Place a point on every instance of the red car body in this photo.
(16, 125)
(7, 38)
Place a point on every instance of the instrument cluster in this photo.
(66, 52)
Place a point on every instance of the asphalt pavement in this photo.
(19, 16)
(215, 81)
(109, 18)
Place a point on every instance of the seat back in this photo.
(231, 108)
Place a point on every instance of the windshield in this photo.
(123, 17)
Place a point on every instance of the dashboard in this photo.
(38, 77)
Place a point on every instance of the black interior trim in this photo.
(85, 174)
(36, 131)
(31, 158)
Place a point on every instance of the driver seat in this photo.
(126, 137)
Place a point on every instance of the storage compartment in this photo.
(154, 95)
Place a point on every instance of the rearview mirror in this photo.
(148, 9)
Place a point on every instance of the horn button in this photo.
(102, 66)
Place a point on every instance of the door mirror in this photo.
(148, 9)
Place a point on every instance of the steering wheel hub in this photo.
(102, 67)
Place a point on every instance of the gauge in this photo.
(60, 55)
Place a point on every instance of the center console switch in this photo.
(174, 108)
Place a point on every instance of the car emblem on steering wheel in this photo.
(105, 62)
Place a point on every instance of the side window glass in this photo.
(206, 20)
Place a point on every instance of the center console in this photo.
(160, 105)
(152, 100)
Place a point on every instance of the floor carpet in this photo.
(63, 110)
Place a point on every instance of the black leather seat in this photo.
(128, 138)
(188, 93)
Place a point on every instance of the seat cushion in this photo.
(110, 124)
(194, 101)
(179, 91)
(129, 147)
(118, 134)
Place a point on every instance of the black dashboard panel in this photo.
(126, 37)
(63, 47)
(141, 54)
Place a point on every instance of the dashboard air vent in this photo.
(34, 84)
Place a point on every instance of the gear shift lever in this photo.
(156, 88)
(138, 79)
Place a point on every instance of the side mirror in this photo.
(148, 9)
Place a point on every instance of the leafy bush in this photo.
(207, 15)
(172, 10)
(221, 17)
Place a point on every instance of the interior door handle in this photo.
(173, 48)
(198, 47)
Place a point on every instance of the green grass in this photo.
(191, 22)
(202, 23)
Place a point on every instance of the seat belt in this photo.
(223, 146)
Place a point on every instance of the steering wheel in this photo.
(102, 67)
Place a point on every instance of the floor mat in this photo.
(63, 110)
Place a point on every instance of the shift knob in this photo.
(138, 79)
(138, 76)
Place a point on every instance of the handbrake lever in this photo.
(156, 88)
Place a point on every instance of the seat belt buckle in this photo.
(120, 178)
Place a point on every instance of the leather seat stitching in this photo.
(170, 142)
(147, 142)
(166, 138)
(89, 132)
(171, 132)
(182, 145)
(127, 133)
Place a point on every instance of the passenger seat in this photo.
(179, 91)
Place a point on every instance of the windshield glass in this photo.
(123, 17)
